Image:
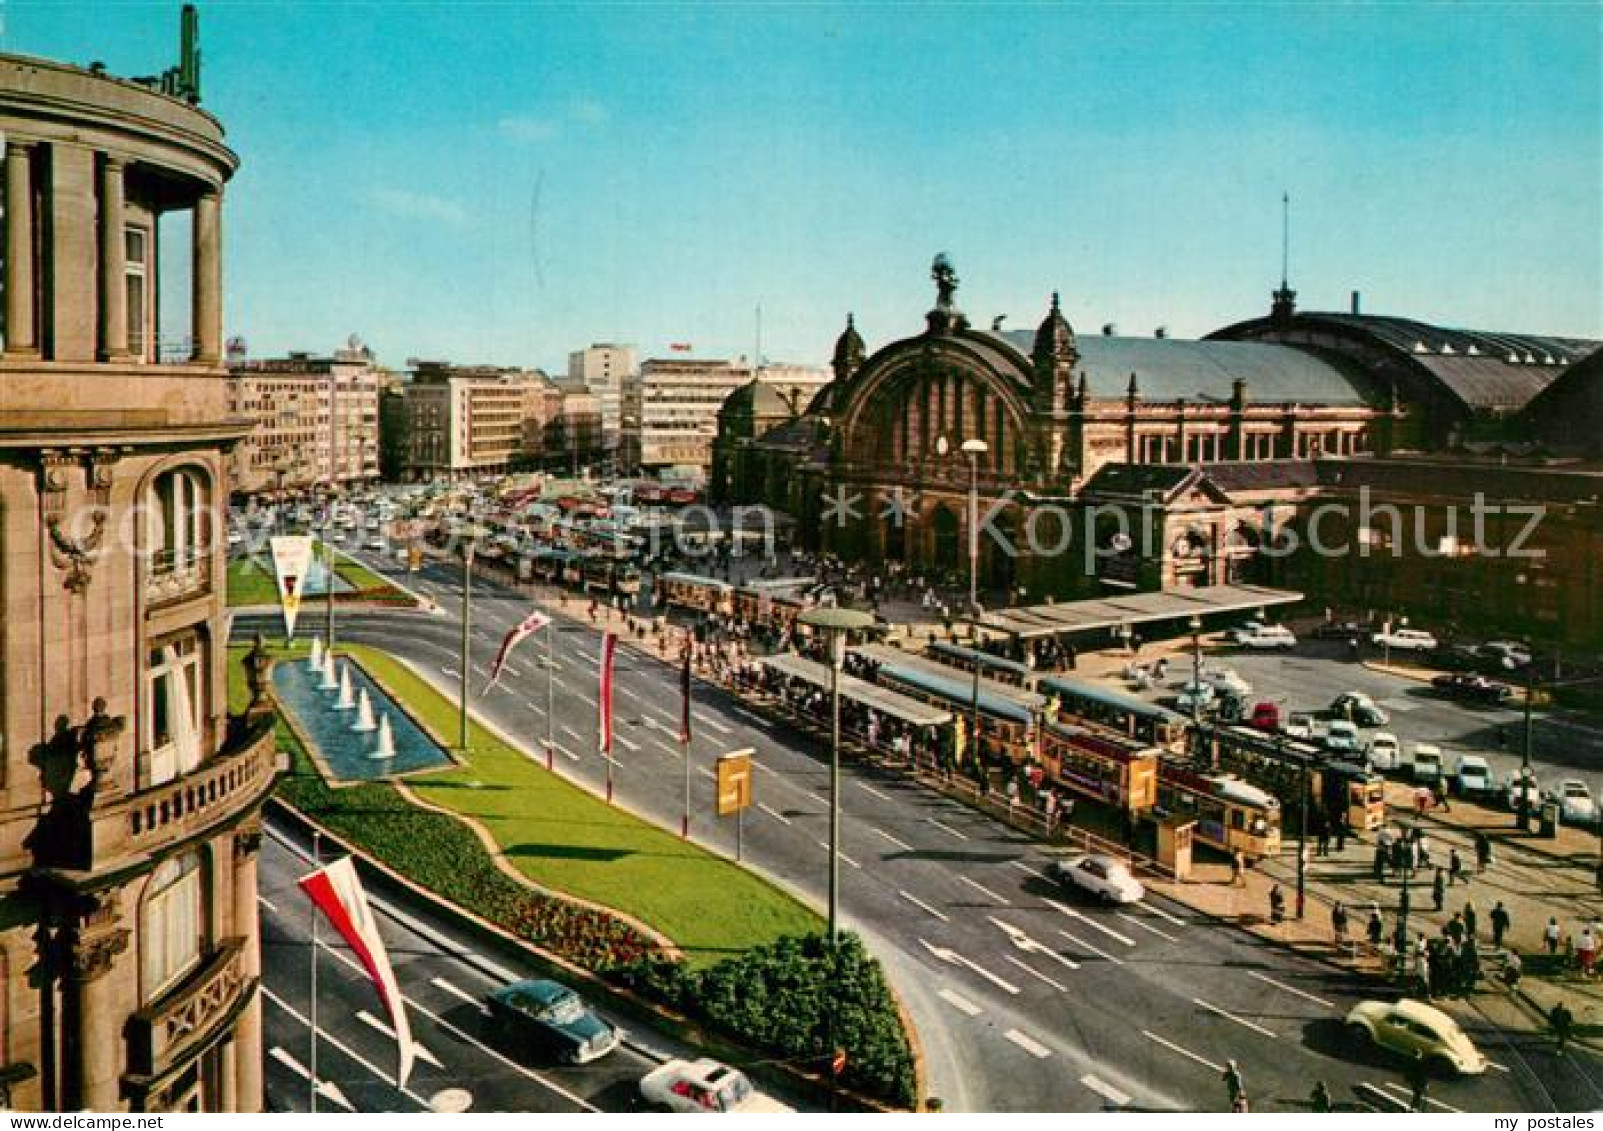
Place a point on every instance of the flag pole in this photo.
(684, 738)
(550, 699)
(316, 862)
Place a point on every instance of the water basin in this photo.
(345, 754)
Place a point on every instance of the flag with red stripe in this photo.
(337, 891)
(609, 647)
(526, 627)
(684, 700)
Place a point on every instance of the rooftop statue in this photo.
(945, 277)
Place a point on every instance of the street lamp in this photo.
(837, 625)
(1526, 744)
(974, 449)
(468, 536)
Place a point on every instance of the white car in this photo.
(1227, 682)
(1405, 640)
(1526, 784)
(1575, 804)
(1341, 738)
(1507, 652)
(1384, 750)
(1425, 763)
(1473, 778)
(1102, 876)
(1414, 1029)
(705, 1085)
(1300, 725)
(1255, 634)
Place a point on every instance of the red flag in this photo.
(609, 646)
(684, 700)
(529, 625)
(337, 891)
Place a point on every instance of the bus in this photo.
(691, 591)
(1231, 815)
(991, 667)
(1127, 714)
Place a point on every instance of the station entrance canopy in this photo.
(1069, 617)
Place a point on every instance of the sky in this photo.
(505, 182)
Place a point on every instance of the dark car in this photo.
(1342, 630)
(1474, 688)
(551, 1018)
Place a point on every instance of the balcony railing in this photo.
(173, 577)
(162, 1033)
(234, 780)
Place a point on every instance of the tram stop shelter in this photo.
(1126, 610)
(871, 695)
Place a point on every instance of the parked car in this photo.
(1473, 777)
(1360, 708)
(1300, 725)
(1102, 876)
(705, 1085)
(1575, 804)
(1265, 716)
(553, 1019)
(1472, 688)
(1198, 695)
(1341, 738)
(1414, 1029)
(1383, 751)
(1255, 634)
(1424, 763)
(1405, 640)
(1519, 783)
(1229, 707)
(1228, 681)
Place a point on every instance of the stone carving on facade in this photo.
(63, 835)
(92, 956)
(102, 474)
(76, 557)
(258, 665)
(247, 840)
(55, 468)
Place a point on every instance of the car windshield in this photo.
(1575, 789)
(734, 1091)
(564, 1011)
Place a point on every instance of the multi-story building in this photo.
(315, 419)
(129, 797)
(603, 369)
(463, 421)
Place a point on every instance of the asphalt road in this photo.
(1024, 1000)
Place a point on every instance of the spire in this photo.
(1054, 340)
(1133, 392)
(1283, 305)
(849, 351)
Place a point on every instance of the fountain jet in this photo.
(386, 740)
(364, 714)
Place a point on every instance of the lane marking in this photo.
(328, 1087)
(904, 846)
(985, 891)
(917, 902)
(267, 903)
(1162, 914)
(570, 732)
(372, 1022)
(947, 828)
(866, 788)
(1028, 1043)
(1034, 973)
(715, 724)
(629, 744)
(1023, 867)
(946, 954)
(1145, 926)
(1253, 1025)
(1499, 1067)
(960, 1003)
(1202, 1060)
(755, 720)
(457, 991)
(1083, 945)
(1291, 989)
(1105, 1090)
(1404, 1092)
(776, 815)
(325, 1088)
(1025, 943)
(1089, 922)
(566, 753)
(824, 844)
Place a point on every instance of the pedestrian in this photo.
(1513, 968)
(1550, 934)
(1483, 852)
(1338, 922)
(1238, 865)
(1438, 889)
(1500, 923)
(1562, 1021)
(1455, 867)
(1422, 798)
(1341, 832)
(1471, 918)
(1232, 1079)
(1441, 797)
(1375, 929)
(1418, 1076)
(1380, 863)
(1277, 905)
(1455, 927)
(1319, 1101)
(1586, 951)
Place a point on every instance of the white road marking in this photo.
(715, 724)
(1162, 914)
(985, 891)
(824, 844)
(568, 754)
(325, 1088)
(1089, 922)
(1291, 989)
(1202, 1060)
(905, 847)
(1083, 945)
(960, 1003)
(1253, 1025)
(1105, 1090)
(705, 772)
(1499, 1067)
(866, 788)
(1030, 946)
(457, 991)
(570, 732)
(628, 743)
(1146, 926)
(372, 1022)
(1023, 867)
(917, 902)
(267, 903)
(756, 720)
(1402, 1091)
(452, 672)
(946, 954)
(1034, 973)
(775, 814)
(947, 828)
(1028, 1043)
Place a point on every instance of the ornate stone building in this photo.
(129, 797)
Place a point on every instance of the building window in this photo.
(177, 514)
(136, 255)
(173, 706)
(172, 924)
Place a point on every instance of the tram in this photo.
(1112, 708)
(692, 591)
(1231, 815)
(991, 667)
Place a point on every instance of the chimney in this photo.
(1355, 303)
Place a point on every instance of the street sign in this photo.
(734, 781)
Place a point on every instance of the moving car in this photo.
(1405, 640)
(1360, 708)
(1341, 738)
(1575, 804)
(1256, 634)
(1384, 751)
(1414, 1029)
(1473, 777)
(553, 1019)
(1102, 876)
(705, 1085)
(1473, 688)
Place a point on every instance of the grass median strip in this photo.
(251, 581)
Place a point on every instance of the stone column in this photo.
(247, 1090)
(93, 1065)
(113, 262)
(206, 310)
(21, 335)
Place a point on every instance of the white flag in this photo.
(292, 561)
(528, 626)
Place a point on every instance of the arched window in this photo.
(178, 521)
(172, 924)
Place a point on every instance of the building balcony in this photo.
(185, 1018)
(172, 578)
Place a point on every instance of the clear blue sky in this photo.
(505, 182)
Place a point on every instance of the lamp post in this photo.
(467, 535)
(1302, 822)
(837, 625)
(974, 449)
(1527, 741)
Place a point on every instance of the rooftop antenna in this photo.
(757, 352)
(1285, 238)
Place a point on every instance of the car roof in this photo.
(543, 990)
(1427, 1014)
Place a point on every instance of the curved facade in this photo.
(130, 798)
